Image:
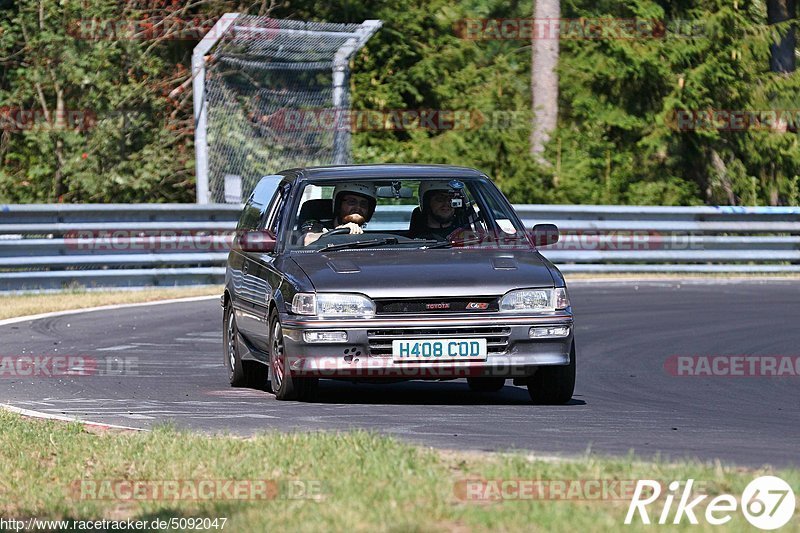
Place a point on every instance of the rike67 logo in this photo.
(767, 502)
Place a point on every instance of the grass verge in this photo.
(32, 304)
(364, 482)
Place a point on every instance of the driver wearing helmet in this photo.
(353, 206)
(439, 217)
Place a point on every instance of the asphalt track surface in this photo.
(625, 398)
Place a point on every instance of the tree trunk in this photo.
(544, 77)
(58, 127)
(782, 55)
(58, 178)
(723, 180)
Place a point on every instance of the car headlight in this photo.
(329, 305)
(526, 300)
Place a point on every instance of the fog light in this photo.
(325, 336)
(545, 332)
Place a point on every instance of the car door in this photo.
(261, 275)
(247, 289)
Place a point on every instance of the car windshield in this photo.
(403, 214)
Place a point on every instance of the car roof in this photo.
(382, 171)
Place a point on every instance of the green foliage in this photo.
(621, 97)
(619, 139)
(123, 139)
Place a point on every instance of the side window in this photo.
(256, 207)
(250, 216)
(271, 219)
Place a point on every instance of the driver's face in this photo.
(353, 204)
(441, 206)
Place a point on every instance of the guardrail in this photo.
(57, 246)
(643, 239)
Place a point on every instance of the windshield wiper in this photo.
(478, 240)
(448, 244)
(359, 244)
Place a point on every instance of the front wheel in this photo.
(284, 385)
(553, 385)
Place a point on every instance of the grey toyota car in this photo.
(393, 272)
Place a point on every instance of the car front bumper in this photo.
(367, 351)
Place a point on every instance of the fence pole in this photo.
(199, 100)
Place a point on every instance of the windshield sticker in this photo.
(506, 226)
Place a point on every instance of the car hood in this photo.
(424, 273)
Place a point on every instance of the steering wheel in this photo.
(337, 231)
(460, 234)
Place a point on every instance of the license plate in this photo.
(439, 349)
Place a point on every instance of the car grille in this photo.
(380, 340)
(436, 305)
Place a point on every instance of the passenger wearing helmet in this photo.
(439, 217)
(353, 206)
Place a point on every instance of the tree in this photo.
(544, 77)
(616, 99)
(84, 86)
(782, 53)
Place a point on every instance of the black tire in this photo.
(230, 345)
(257, 375)
(284, 385)
(486, 384)
(553, 385)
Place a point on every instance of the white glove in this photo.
(355, 229)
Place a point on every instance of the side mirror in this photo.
(545, 234)
(257, 241)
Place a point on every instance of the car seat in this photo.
(318, 209)
(417, 225)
